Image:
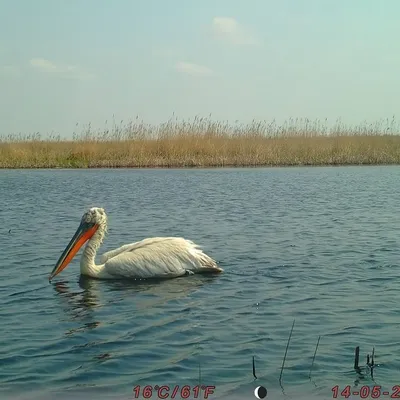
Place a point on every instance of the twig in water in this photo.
(371, 362)
(284, 357)
(254, 368)
(357, 358)
(373, 356)
(315, 353)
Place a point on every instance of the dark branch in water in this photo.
(254, 368)
(357, 358)
(370, 362)
(284, 357)
(315, 353)
(373, 355)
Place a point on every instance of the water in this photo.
(318, 245)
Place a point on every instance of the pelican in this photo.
(158, 257)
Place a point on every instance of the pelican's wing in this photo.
(129, 247)
(158, 258)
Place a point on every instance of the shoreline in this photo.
(209, 167)
(204, 144)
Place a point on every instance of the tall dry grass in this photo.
(204, 143)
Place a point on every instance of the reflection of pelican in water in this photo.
(78, 306)
(81, 304)
(159, 257)
(91, 308)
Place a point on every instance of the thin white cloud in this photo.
(61, 70)
(41, 63)
(228, 29)
(193, 69)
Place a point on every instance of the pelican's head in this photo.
(91, 221)
(95, 215)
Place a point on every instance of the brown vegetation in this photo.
(203, 143)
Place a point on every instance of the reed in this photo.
(205, 143)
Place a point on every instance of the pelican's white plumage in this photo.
(159, 257)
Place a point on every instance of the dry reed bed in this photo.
(208, 144)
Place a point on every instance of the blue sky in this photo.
(64, 62)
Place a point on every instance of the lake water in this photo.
(318, 245)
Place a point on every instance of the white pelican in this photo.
(159, 257)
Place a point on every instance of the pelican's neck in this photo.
(88, 265)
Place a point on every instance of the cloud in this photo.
(193, 69)
(61, 70)
(228, 29)
(43, 64)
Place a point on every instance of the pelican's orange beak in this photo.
(84, 232)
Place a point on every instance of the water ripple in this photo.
(318, 245)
